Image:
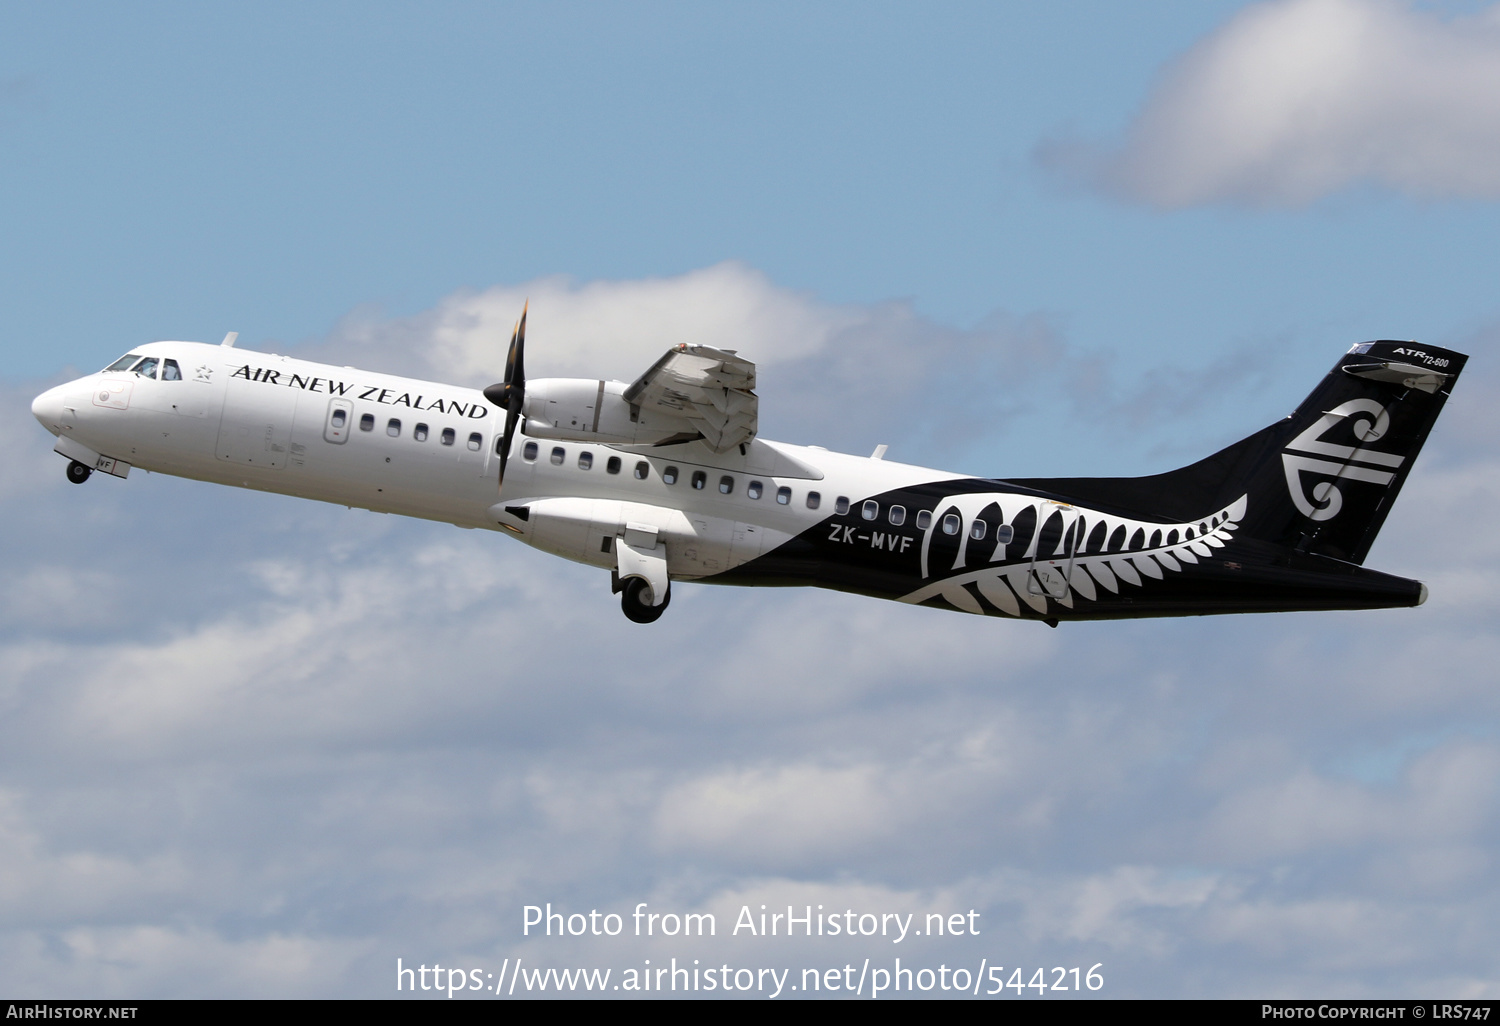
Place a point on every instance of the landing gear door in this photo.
(639, 553)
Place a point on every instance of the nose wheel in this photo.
(78, 473)
(633, 600)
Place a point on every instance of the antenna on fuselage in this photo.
(229, 339)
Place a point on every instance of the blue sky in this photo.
(277, 167)
(256, 746)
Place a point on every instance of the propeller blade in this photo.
(499, 393)
(510, 431)
(515, 370)
(510, 393)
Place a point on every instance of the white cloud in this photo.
(1443, 804)
(610, 328)
(1294, 99)
(922, 387)
(126, 962)
(784, 811)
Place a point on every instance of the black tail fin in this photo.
(1322, 480)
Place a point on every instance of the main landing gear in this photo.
(634, 600)
(78, 473)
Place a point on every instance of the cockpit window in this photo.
(170, 371)
(124, 363)
(147, 367)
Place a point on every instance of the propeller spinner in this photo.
(510, 394)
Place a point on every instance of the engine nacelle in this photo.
(590, 410)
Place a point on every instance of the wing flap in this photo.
(710, 390)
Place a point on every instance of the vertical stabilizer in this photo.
(1323, 480)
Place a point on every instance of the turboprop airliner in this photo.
(666, 479)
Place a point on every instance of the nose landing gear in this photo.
(634, 598)
(78, 473)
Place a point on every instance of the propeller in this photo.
(510, 394)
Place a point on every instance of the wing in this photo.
(708, 389)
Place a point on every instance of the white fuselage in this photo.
(426, 449)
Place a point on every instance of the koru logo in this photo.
(1326, 500)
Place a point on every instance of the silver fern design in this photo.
(1084, 553)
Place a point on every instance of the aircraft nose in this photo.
(48, 408)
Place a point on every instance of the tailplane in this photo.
(1321, 481)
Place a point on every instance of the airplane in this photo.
(666, 479)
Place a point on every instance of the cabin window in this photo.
(393, 428)
(124, 363)
(977, 530)
(1004, 534)
(814, 500)
(448, 437)
(924, 519)
(784, 495)
(528, 452)
(147, 368)
(612, 465)
(897, 515)
(669, 475)
(841, 505)
(367, 422)
(170, 371)
(726, 485)
(870, 510)
(699, 479)
(951, 524)
(419, 432)
(753, 489)
(476, 442)
(340, 418)
(642, 470)
(585, 461)
(558, 455)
